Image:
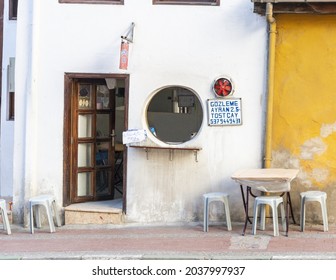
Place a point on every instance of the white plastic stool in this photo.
(274, 202)
(216, 196)
(314, 196)
(49, 202)
(4, 214)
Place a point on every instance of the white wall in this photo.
(7, 127)
(173, 45)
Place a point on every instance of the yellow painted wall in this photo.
(304, 120)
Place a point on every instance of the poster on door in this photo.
(224, 112)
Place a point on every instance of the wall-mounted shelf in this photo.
(170, 149)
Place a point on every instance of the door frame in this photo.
(69, 79)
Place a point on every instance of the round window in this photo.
(174, 115)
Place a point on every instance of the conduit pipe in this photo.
(270, 83)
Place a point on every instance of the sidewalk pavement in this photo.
(163, 242)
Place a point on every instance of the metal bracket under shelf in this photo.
(171, 151)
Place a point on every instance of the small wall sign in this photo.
(224, 112)
(124, 49)
(134, 136)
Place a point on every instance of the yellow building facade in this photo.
(303, 121)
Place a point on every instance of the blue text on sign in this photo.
(224, 112)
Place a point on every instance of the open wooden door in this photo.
(94, 153)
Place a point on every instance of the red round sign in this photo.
(223, 87)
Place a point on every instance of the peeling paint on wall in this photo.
(312, 147)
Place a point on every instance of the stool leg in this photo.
(262, 216)
(50, 218)
(6, 221)
(58, 220)
(255, 218)
(283, 217)
(31, 210)
(275, 220)
(205, 218)
(324, 214)
(3, 219)
(37, 212)
(302, 217)
(227, 213)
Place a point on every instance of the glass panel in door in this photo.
(84, 182)
(85, 125)
(93, 142)
(104, 155)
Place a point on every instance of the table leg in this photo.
(245, 206)
(243, 197)
(244, 202)
(290, 205)
(287, 212)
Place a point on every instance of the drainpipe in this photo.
(270, 86)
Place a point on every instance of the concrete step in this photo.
(97, 212)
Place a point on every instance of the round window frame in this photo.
(150, 133)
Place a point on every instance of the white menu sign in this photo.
(224, 112)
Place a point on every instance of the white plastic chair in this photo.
(216, 196)
(273, 202)
(49, 202)
(318, 196)
(5, 221)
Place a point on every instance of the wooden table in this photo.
(269, 180)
